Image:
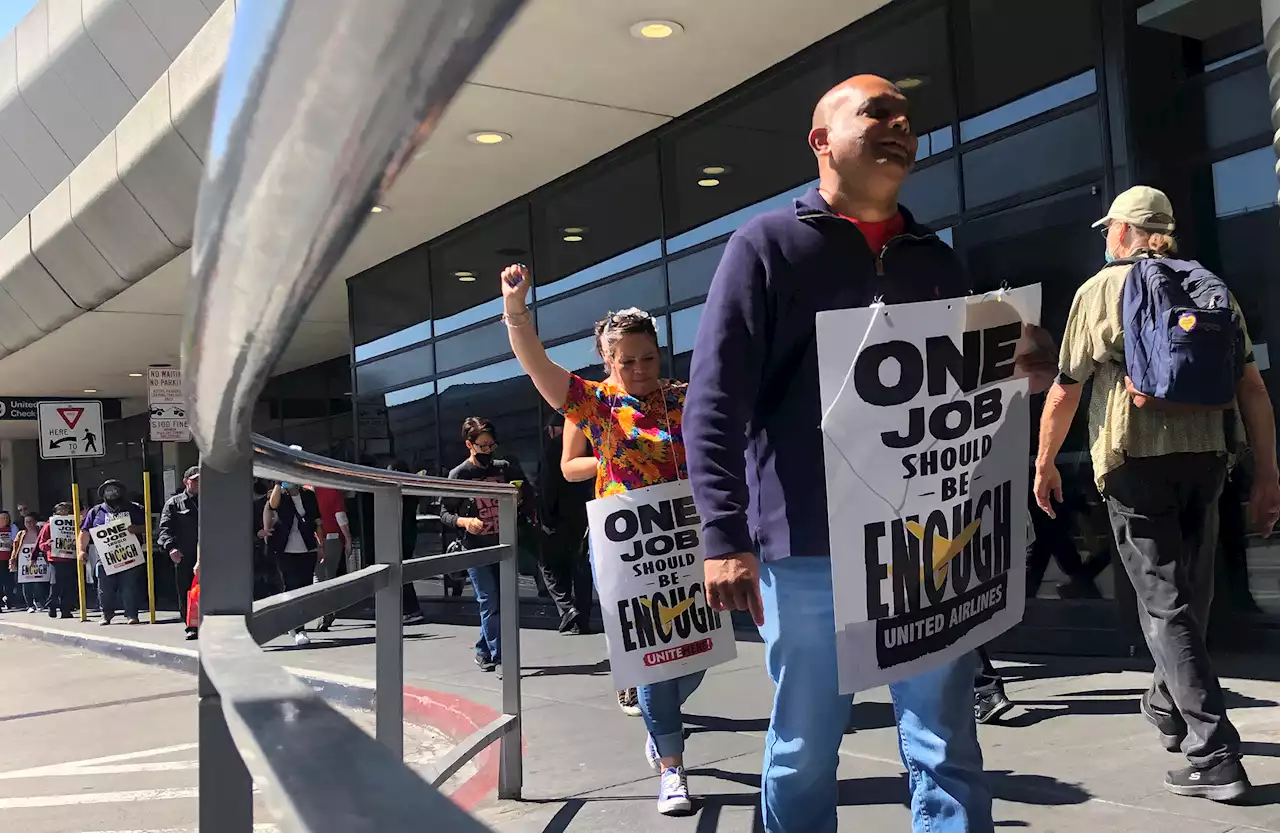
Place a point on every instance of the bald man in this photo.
(751, 428)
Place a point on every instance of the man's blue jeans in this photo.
(484, 581)
(937, 735)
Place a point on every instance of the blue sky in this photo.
(11, 11)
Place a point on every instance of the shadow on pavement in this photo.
(594, 670)
(704, 723)
(319, 642)
(89, 706)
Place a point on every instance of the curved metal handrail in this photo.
(273, 459)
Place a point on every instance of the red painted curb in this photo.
(458, 717)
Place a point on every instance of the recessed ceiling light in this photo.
(656, 29)
(488, 137)
(911, 82)
(464, 274)
(135, 375)
(573, 238)
(467, 278)
(90, 390)
(715, 170)
(708, 183)
(573, 229)
(377, 209)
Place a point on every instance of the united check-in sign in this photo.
(70, 430)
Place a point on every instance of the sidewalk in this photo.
(1074, 755)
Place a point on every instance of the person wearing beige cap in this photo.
(1160, 455)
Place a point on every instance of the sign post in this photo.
(151, 567)
(75, 511)
(70, 430)
(168, 407)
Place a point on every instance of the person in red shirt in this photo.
(337, 539)
(65, 592)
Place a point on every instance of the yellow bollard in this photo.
(151, 568)
(75, 509)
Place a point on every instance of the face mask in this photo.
(1109, 257)
(112, 496)
(485, 460)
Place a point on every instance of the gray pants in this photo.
(1164, 511)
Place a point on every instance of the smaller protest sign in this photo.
(118, 548)
(32, 566)
(62, 532)
(647, 549)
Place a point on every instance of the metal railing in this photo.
(316, 770)
(323, 103)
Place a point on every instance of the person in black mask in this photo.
(124, 587)
(478, 521)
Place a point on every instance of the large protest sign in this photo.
(118, 548)
(647, 549)
(926, 437)
(32, 566)
(62, 532)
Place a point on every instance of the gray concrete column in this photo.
(19, 473)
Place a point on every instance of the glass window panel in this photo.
(753, 148)
(575, 313)
(1073, 89)
(1235, 44)
(413, 432)
(932, 193)
(912, 50)
(690, 276)
(418, 363)
(730, 222)
(606, 211)
(1238, 108)
(578, 357)
(1016, 48)
(501, 393)
(1034, 159)
(1047, 241)
(684, 328)
(386, 344)
(478, 344)
(409, 394)
(947, 236)
(1245, 183)
(466, 268)
(389, 298)
(931, 144)
(1249, 251)
(613, 266)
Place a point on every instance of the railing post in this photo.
(226, 586)
(388, 611)
(511, 765)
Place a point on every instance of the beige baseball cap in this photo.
(1143, 207)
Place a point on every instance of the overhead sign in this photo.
(23, 408)
(70, 429)
(168, 406)
(926, 435)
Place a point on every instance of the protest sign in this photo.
(647, 549)
(118, 548)
(926, 437)
(32, 566)
(62, 532)
(6, 540)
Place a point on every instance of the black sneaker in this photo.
(1226, 781)
(485, 663)
(987, 706)
(1171, 727)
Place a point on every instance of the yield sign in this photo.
(70, 415)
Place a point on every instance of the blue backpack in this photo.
(1183, 344)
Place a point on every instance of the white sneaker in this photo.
(301, 639)
(651, 755)
(629, 702)
(673, 793)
